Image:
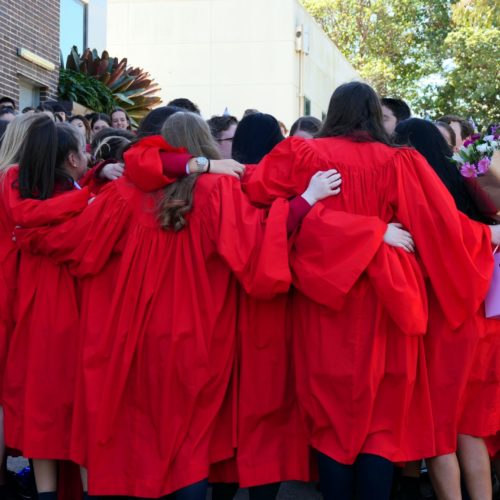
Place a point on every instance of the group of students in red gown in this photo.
(315, 316)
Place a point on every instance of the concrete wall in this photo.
(227, 53)
(325, 68)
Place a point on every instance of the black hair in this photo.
(308, 124)
(219, 124)
(57, 107)
(39, 160)
(3, 127)
(154, 120)
(185, 104)
(355, 111)
(69, 140)
(42, 107)
(250, 111)
(255, 136)
(9, 100)
(399, 108)
(6, 111)
(115, 142)
(424, 136)
(100, 116)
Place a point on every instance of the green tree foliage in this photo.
(472, 50)
(440, 55)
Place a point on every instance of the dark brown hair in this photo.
(37, 160)
(86, 124)
(355, 110)
(127, 117)
(466, 128)
(451, 132)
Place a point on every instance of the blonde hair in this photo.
(13, 140)
(188, 130)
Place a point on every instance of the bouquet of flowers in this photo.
(479, 163)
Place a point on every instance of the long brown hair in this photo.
(188, 130)
(355, 110)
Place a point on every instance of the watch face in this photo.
(201, 161)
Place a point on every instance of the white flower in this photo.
(494, 144)
(489, 138)
(483, 148)
(458, 158)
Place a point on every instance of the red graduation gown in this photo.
(198, 343)
(172, 352)
(261, 409)
(360, 311)
(38, 386)
(480, 406)
(98, 273)
(493, 444)
(266, 416)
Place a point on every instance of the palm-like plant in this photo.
(132, 88)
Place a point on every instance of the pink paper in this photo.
(492, 301)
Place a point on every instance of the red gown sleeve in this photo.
(455, 251)
(299, 208)
(92, 178)
(174, 164)
(253, 242)
(331, 251)
(272, 178)
(28, 212)
(144, 165)
(85, 242)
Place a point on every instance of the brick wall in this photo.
(33, 25)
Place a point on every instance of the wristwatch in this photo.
(202, 164)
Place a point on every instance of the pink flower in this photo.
(483, 166)
(468, 170)
(468, 142)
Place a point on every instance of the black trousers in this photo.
(226, 491)
(369, 478)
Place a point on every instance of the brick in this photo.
(33, 25)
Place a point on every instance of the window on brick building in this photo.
(73, 26)
(29, 95)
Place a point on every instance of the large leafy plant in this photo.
(104, 82)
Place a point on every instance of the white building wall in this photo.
(97, 24)
(325, 68)
(237, 54)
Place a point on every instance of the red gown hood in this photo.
(143, 165)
